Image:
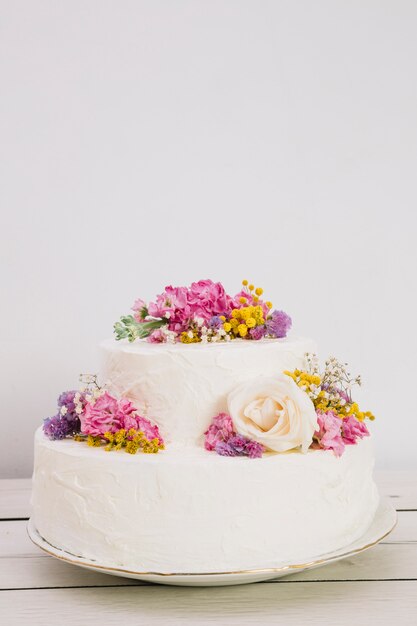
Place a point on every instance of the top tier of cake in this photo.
(182, 387)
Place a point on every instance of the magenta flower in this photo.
(172, 304)
(220, 429)
(221, 437)
(207, 299)
(329, 435)
(140, 310)
(353, 429)
(151, 431)
(106, 414)
(156, 336)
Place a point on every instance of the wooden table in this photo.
(376, 587)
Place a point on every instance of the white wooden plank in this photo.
(400, 486)
(302, 603)
(15, 498)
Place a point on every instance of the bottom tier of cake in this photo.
(188, 510)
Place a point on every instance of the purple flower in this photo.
(66, 408)
(278, 324)
(225, 449)
(257, 332)
(57, 427)
(221, 437)
(253, 449)
(215, 322)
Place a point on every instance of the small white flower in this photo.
(63, 410)
(190, 334)
(78, 410)
(204, 339)
(167, 315)
(199, 321)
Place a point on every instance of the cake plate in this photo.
(384, 521)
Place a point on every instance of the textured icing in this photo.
(182, 387)
(197, 511)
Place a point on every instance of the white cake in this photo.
(186, 509)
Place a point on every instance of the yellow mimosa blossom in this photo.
(243, 330)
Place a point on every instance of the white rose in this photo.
(275, 412)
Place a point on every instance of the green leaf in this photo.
(129, 328)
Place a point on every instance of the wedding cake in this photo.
(215, 444)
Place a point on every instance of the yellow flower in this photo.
(259, 291)
(227, 326)
(234, 322)
(255, 299)
(251, 287)
(269, 304)
(244, 283)
(243, 330)
(235, 313)
(243, 300)
(222, 317)
(251, 322)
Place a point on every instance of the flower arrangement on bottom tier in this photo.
(296, 410)
(95, 416)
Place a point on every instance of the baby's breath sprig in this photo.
(331, 389)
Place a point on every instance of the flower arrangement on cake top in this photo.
(294, 411)
(204, 313)
(95, 416)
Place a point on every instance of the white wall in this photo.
(148, 142)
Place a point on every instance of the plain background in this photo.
(148, 142)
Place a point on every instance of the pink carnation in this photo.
(207, 299)
(335, 432)
(151, 431)
(353, 429)
(219, 430)
(138, 306)
(172, 304)
(156, 336)
(329, 434)
(107, 414)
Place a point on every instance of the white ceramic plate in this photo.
(384, 522)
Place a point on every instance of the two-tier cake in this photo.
(216, 444)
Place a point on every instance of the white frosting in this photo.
(186, 509)
(182, 387)
(197, 511)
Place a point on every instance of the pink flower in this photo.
(156, 336)
(219, 430)
(207, 299)
(172, 304)
(138, 307)
(353, 429)
(151, 431)
(329, 435)
(106, 414)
